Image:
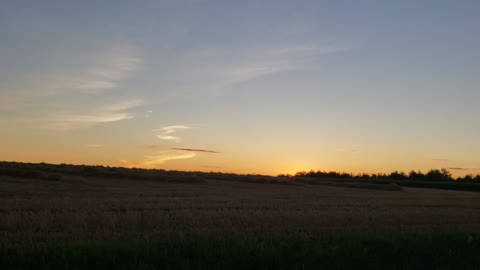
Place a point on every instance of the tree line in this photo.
(434, 175)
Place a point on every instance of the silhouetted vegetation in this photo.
(412, 251)
(431, 175)
(434, 178)
(398, 176)
(350, 182)
(52, 172)
(94, 217)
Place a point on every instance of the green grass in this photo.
(407, 251)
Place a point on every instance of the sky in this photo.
(260, 87)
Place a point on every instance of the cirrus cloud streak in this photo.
(182, 149)
(197, 150)
(463, 169)
(67, 120)
(117, 66)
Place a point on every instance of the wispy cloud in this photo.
(123, 105)
(463, 169)
(276, 60)
(164, 132)
(157, 159)
(254, 70)
(108, 113)
(61, 98)
(159, 147)
(163, 154)
(171, 129)
(106, 71)
(118, 65)
(168, 138)
(252, 63)
(162, 157)
(148, 114)
(196, 150)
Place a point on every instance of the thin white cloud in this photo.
(148, 114)
(251, 64)
(251, 71)
(73, 121)
(171, 129)
(117, 66)
(162, 157)
(59, 100)
(159, 158)
(277, 60)
(463, 169)
(109, 69)
(123, 105)
(168, 138)
(108, 113)
(164, 132)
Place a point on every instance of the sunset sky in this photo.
(263, 87)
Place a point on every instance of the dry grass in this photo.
(78, 208)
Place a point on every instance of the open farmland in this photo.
(54, 220)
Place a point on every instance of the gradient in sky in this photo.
(242, 86)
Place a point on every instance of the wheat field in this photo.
(86, 208)
(189, 221)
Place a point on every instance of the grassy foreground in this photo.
(65, 219)
(407, 251)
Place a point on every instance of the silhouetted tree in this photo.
(365, 176)
(438, 175)
(413, 175)
(300, 174)
(466, 178)
(398, 176)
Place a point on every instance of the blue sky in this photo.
(274, 86)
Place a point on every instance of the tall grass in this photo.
(412, 251)
(102, 222)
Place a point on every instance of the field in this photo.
(77, 221)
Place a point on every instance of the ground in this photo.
(78, 209)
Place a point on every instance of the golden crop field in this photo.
(83, 217)
(86, 208)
